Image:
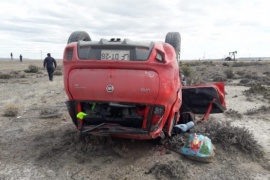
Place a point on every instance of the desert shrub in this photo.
(176, 142)
(265, 80)
(49, 113)
(5, 76)
(40, 75)
(219, 78)
(239, 64)
(243, 64)
(227, 135)
(229, 73)
(170, 170)
(225, 64)
(32, 69)
(190, 63)
(203, 69)
(248, 76)
(240, 73)
(22, 76)
(262, 109)
(120, 150)
(245, 81)
(11, 110)
(208, 63)
(256, 89)
(258, 79)
(252, 76)
(254, 73)
(15, 73)
(193, 80)
(233, 114)
(186, 69)
(59, 68)
(58, 73)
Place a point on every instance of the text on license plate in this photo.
(114, 55)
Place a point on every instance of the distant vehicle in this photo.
(132, 89)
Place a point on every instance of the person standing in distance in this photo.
(50, 64)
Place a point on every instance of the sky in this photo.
(209, 29)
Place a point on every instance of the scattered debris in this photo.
(199, 148)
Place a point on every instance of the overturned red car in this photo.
(132, 89)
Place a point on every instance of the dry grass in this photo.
(49, 113)
(120, 150)
(58, 73)
(170, 170)
(233, 114)
(186, 70)
(225, 64)
(258, 89)
(219, 78)
(244, 64)
(11, 110)
(32, 69)
(176, 142)
(59, 67)
(262, 109)
(5, 76)
(229, 73)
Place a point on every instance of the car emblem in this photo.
(109, 88)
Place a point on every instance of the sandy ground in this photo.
(32, 147)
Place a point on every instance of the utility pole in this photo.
(41, 54)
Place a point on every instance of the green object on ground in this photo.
(81, 115)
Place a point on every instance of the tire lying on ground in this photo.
(174, 39)
(79, 36)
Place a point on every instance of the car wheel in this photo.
(78, 36)
(174, 39)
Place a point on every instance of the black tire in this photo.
(79, 36)
(174, 39)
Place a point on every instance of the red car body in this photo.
(138, 98)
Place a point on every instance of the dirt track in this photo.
(50, 148)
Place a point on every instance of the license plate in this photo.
(114, 55)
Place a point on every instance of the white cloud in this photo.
(209, 27)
